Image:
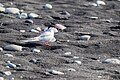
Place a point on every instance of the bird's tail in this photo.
(30, 40)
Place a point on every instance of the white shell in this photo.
(68, 53)
(7, 73)
(85, 37)
(33, 15)
(78, 62)
(9, 55)
(112, 61)
(100, 2)
(94, 18)
(1, 78)
(2, 9)
(75, 57)
(1, 49)
(35, 31)
(13, 47)
(52, 28)
(59, 26)
(23, 16)
(12, 10)
(22, 31)
(36, 50)
(71, 69)
(48, 6)
(56, 72)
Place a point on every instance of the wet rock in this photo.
(9, 55)
(78, 62)
(12, 10)
(112, 61)
(29, 21)
(47, 6)
(65, 13)
(85, 37)
(59, 26)
(13, 47)
(33, 15)
(36, 50)
(11, 65)
(1, 49)
(55, 72)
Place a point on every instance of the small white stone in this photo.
(55, 72)
(13, 47)
(33, 15)
(23, 16)
(93, 18)
(1, 49)
(36, 50)
(100, 2)
(71, 69)
(2, 9)
(39, 29)
(47, 6)
(68, 53)
(85, 37)
(7, 73)
(1, 78)
(22, 31)
(78, 62)
(59, 26)
(33, 30)
(75, 57)
(9, 55)
(112, 61)
(12, 10)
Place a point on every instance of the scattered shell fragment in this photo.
(100, 2)
(33, 15)
(29, 21)
(9, 55)
(22, 31)
(55, 72)
(35, 31)
(7, 73)
(68, 53)
(39, 29)
(12, 10)
(71, 69)
(93, 18)
(112, 61)
(59, 26)
(78, 62)
(36, 50)
(2, 9)
(85, 37)
(1, 78)
(47, 6)
(75, 57)
(13, 47)
(1, 49)
(23, 16)
(11, 65)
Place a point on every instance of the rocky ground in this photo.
(103, 44)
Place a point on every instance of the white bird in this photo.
(45, 37)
